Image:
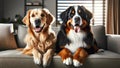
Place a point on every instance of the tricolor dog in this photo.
(75, 40)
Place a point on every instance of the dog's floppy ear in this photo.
(50, 17)
(26, 19)
(64, 15)
(89, 15)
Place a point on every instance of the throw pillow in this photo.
(7, 40)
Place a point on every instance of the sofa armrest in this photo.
(113, 43)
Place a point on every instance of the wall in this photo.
(13, 7)
(51, 5)
(1, 8)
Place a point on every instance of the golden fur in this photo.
(39, 44)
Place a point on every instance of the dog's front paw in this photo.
(37, 58)
(76, 63)
(37, 61)
(67, 61)
(47, 57)
(46, 62)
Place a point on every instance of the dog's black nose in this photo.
(37, 23)
(77, 20)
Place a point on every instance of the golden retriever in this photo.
(40, 37)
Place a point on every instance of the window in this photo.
(97, 7)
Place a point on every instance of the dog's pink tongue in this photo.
(37, 29)
(77, 29)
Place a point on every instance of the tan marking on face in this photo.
(79, 11)
(69, 25)
(84, 23)
(73, 11)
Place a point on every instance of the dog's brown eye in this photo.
(42, 15)
(33, 15)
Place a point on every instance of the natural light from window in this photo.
(97, 7)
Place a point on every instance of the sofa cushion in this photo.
(22, 30)
(13, 53)
(106, 59)
(7, 40)
(105, 55)
(100, 36)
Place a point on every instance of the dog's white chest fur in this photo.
(76, 40)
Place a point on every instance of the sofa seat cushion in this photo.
(13, 53)
(101, 55)
(106, 59)
(14, 59)
(105, 55)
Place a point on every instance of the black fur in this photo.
(61, 38)
(65, 15)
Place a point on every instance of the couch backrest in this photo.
(100, 36)
(98, 32)
(22, 31)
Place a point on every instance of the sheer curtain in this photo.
(113, 17)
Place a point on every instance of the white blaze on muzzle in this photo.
(75, 23)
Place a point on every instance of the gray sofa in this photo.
(12, 58)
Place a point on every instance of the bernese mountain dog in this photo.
(75, 40)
